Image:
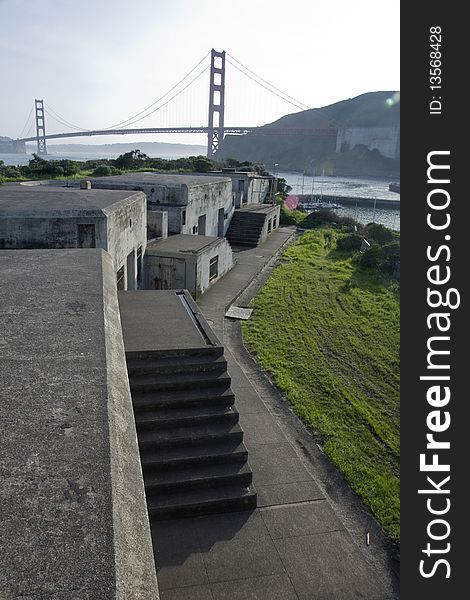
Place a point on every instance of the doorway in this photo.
(201, 225)
(220, 223)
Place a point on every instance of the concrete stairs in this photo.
(191, 445)
(245, 228)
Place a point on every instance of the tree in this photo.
(134, 159)
(202, 164)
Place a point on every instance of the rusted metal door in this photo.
(171, 275)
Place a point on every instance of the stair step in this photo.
(243, 243)
(220, 395)
(213, 351)
(202, 501)
(190, 435)
(244, 234)
(197, 476)
(217, 452)
(168, 381)
(194, 415)
(244, 238)
(246, 226)
(175, 365)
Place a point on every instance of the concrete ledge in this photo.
(74, 520)
(133, 554)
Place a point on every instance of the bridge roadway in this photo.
(235, 130)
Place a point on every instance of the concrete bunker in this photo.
(186, 262)
(195, 203)
(49, 217)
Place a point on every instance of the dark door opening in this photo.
(86, 237)
(201, 225)
(220, 223)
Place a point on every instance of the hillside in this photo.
(298, 152)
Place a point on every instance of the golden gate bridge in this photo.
(216, 128)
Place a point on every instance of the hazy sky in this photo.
(97, 62)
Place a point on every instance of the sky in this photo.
(98, 62)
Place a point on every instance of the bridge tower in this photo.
(216, 102)
(40, 126)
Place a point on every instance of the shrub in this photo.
(384, 258)
(350, 224)
(321, 217)
(102, 171)
(349, 242)
(378, 233)
(291, 217)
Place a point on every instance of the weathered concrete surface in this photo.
(51, 217)
(183, 261)
(247, 186)
(157, 223)
(186, 198)
(73, 512)
(162, 320)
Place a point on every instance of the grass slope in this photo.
(328, 332)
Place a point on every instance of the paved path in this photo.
(307, 538)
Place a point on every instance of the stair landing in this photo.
(191, 446)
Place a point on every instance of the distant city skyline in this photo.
(95, 64)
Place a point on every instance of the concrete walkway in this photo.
(307, 538)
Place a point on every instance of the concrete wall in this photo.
(74, 516)
(157, 223)
(247, 187)
(225, 263)
(120, 229)
(271, 223)
(384, 139)
(23, 232)
(258, 189)
(208, 199)
(184, 203)
(126, 233)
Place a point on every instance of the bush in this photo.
(378, 233)
(321, 217)
(102, 171)
(349, 242)
(291, 217)
(350, 224)
(202, 164)
(383, 258)
(9, 171)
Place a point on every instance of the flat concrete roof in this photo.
(21, 199)
(168, 179)
(191, 244)
(57, 521)
(161, 320)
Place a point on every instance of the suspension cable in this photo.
(170, 99)
(62, 120)
(27, 121)
(263, 86)
(267, 82)
(159, 99)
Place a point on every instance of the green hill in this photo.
(298, 152)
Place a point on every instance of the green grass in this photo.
(328, 333)
(79, 175)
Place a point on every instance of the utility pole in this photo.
(40, 126)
